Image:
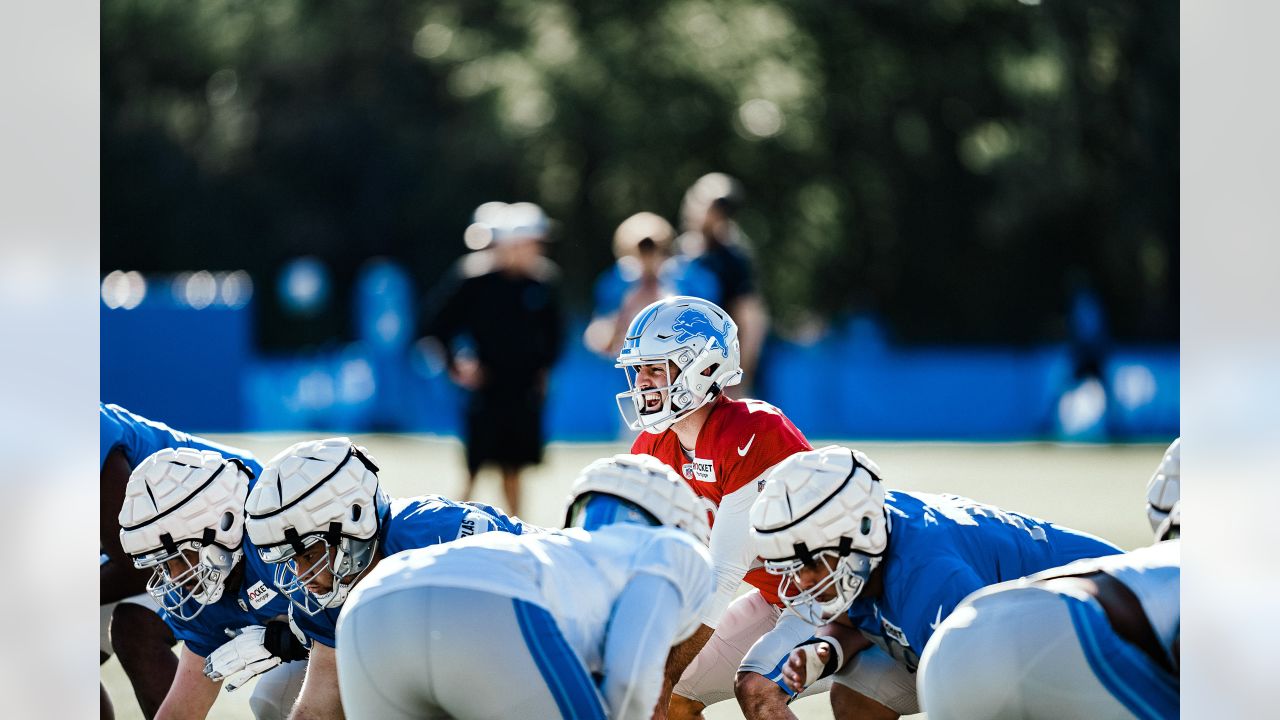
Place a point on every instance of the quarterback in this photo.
(679, 354)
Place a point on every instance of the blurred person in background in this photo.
(183, 519)
(877, 568)
(713, 240)
(321, 550)
(131, 626)
(571, 624)
(645, 271)
(498, 321)
(1093, 639)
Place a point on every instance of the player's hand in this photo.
(252, 651)
(805, 663)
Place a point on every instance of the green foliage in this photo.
(951, 166)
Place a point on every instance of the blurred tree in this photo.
(952, 166)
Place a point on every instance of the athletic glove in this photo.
(254, 650)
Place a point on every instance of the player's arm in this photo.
(192, 694)
(118, 578)
(830, 648)
(644, 621)
(731, 556)
(319, 698)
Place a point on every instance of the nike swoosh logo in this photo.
(742, 451)
(937, 620)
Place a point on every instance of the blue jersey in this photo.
(417, 522)
(139, 438)
(943, 547)
(254, 603)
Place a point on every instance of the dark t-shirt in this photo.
(512, 323)
(732, 269)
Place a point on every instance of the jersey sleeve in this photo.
(481, 518)
(110, 434)
(200, 638)
(731, 550)
(320, 627)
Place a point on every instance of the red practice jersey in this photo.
(739, 441)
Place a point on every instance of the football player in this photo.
(872, 566)
(183, 519)
(320, 517)
(1094, 639)
(679, 354)
(131, 627)
(573, 624)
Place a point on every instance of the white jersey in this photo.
(576, 575)
(1153, 574)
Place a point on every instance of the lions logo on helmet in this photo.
(821, 511)
(696, 341)
(315, 515)
(183, 517)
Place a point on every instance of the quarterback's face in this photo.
(322, 583)
(656, 375)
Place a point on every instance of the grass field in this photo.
(1100, 489)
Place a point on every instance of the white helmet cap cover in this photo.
(180, 504)
(821, 508)
(648, 483)
(323, 491)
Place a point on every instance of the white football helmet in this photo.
(1164, 488)
(1171, 527)
(318, 492)
(636, 488)
(183, 517)
(690, 336)
(821, 508)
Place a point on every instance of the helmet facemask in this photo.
(183, 587)
(344, 558)
(847, 572)
(695, 384)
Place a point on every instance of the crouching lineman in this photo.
(1093, 639)
(183, 518)
(321, 517)
(131, 626)
(679, 355)
(871, 566)
(573, 624)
